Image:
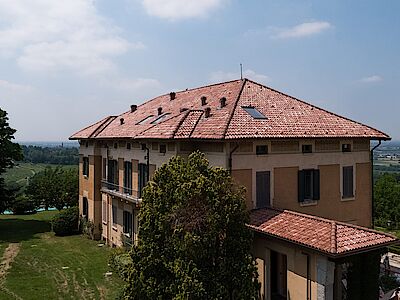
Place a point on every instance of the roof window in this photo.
(144, 120)
(160, 118)
(252, 111)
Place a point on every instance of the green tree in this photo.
(194, 242)
(387, 201)
(54, 187)
(9, 152)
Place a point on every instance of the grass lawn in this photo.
(50, 267)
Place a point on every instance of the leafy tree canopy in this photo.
(194, 243)
(387, 201)
(9, 152)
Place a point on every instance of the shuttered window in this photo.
(128, 177)
(85, 169)
(114, 215)
(348, 182)
(308, 185)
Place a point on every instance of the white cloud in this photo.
(10, 86)
(220, 76)
(48, 35)
(371, 79)
(180, 9)
(301, 30)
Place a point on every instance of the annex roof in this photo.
(333, 238)
(249, 110)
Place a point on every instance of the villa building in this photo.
(307, 174)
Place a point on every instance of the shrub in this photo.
(66, 222)
(23, 205)
(120, 261)
(87, 228)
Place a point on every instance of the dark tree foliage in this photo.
(387, 201)
(54, 187)
(51, 155)
(9, 152)
(194, 242)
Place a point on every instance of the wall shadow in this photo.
(17, 230)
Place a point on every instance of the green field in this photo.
(43, 266)
(21, 173)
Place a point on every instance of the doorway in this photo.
(278, 276)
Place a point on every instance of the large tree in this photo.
(193, 239)
(387, 201)
(9, 152)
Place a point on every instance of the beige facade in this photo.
(283, 267)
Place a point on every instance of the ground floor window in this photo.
(128, 223)
(85, 208)
(104, 211)
(114, 215)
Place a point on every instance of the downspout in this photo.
(308, 289)
(372, 182)
(230, 158)
(147, 157)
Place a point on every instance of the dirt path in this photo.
(9, 255)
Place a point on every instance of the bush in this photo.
(23, 205)
(87, 228)
(66, 222)
(120, 261)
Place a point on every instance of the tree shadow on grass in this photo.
(17, 230)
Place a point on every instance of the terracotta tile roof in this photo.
(286, 117)
(330, 237)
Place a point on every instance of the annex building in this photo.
(307, 173)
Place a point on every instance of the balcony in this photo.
(120, 191)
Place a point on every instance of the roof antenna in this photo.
(241, 72)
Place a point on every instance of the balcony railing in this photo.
(120, 191)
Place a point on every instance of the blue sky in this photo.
(66, 64)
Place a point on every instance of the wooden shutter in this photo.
(348, 182)
(301, 186)
(316, 183)
(262, 189)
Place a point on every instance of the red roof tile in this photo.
(286, 117)
(331, 237)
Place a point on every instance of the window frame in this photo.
(104, 214)
(85, 166)
(128, 177)
(127, 216)
(350, 193)
(314, 185)
(258, 152)
(114, 213)
(254, 113)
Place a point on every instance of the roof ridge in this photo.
(317, 107)
(333, 237)
(234, 108)
(102, 126)
(197, 122)
(102, 121)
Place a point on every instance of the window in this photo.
(252, 111)
(263, 189)
(85, 208)
(308, 185)
(127, 223)
(128, 177)
(163, 148)
(346, 148)
(128, 146)
(85, 170)
(144, 120)
(306, 148)
(104, 212)
(160, 118)
(348, 182)
(115, 145)
(261, 149)
(143, 174)
(112, 174)
(114, 215)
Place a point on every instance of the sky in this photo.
(67, 64)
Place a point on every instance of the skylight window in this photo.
(160, 118)
(144, 120)
(252, 111)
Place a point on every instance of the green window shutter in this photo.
(301, 186)
(316, 185)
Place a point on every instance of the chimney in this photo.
(207, 112)
(122, 121)
(203, 100)
(172, 96)
(159, 111)
(222, 102)
(133, 108)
